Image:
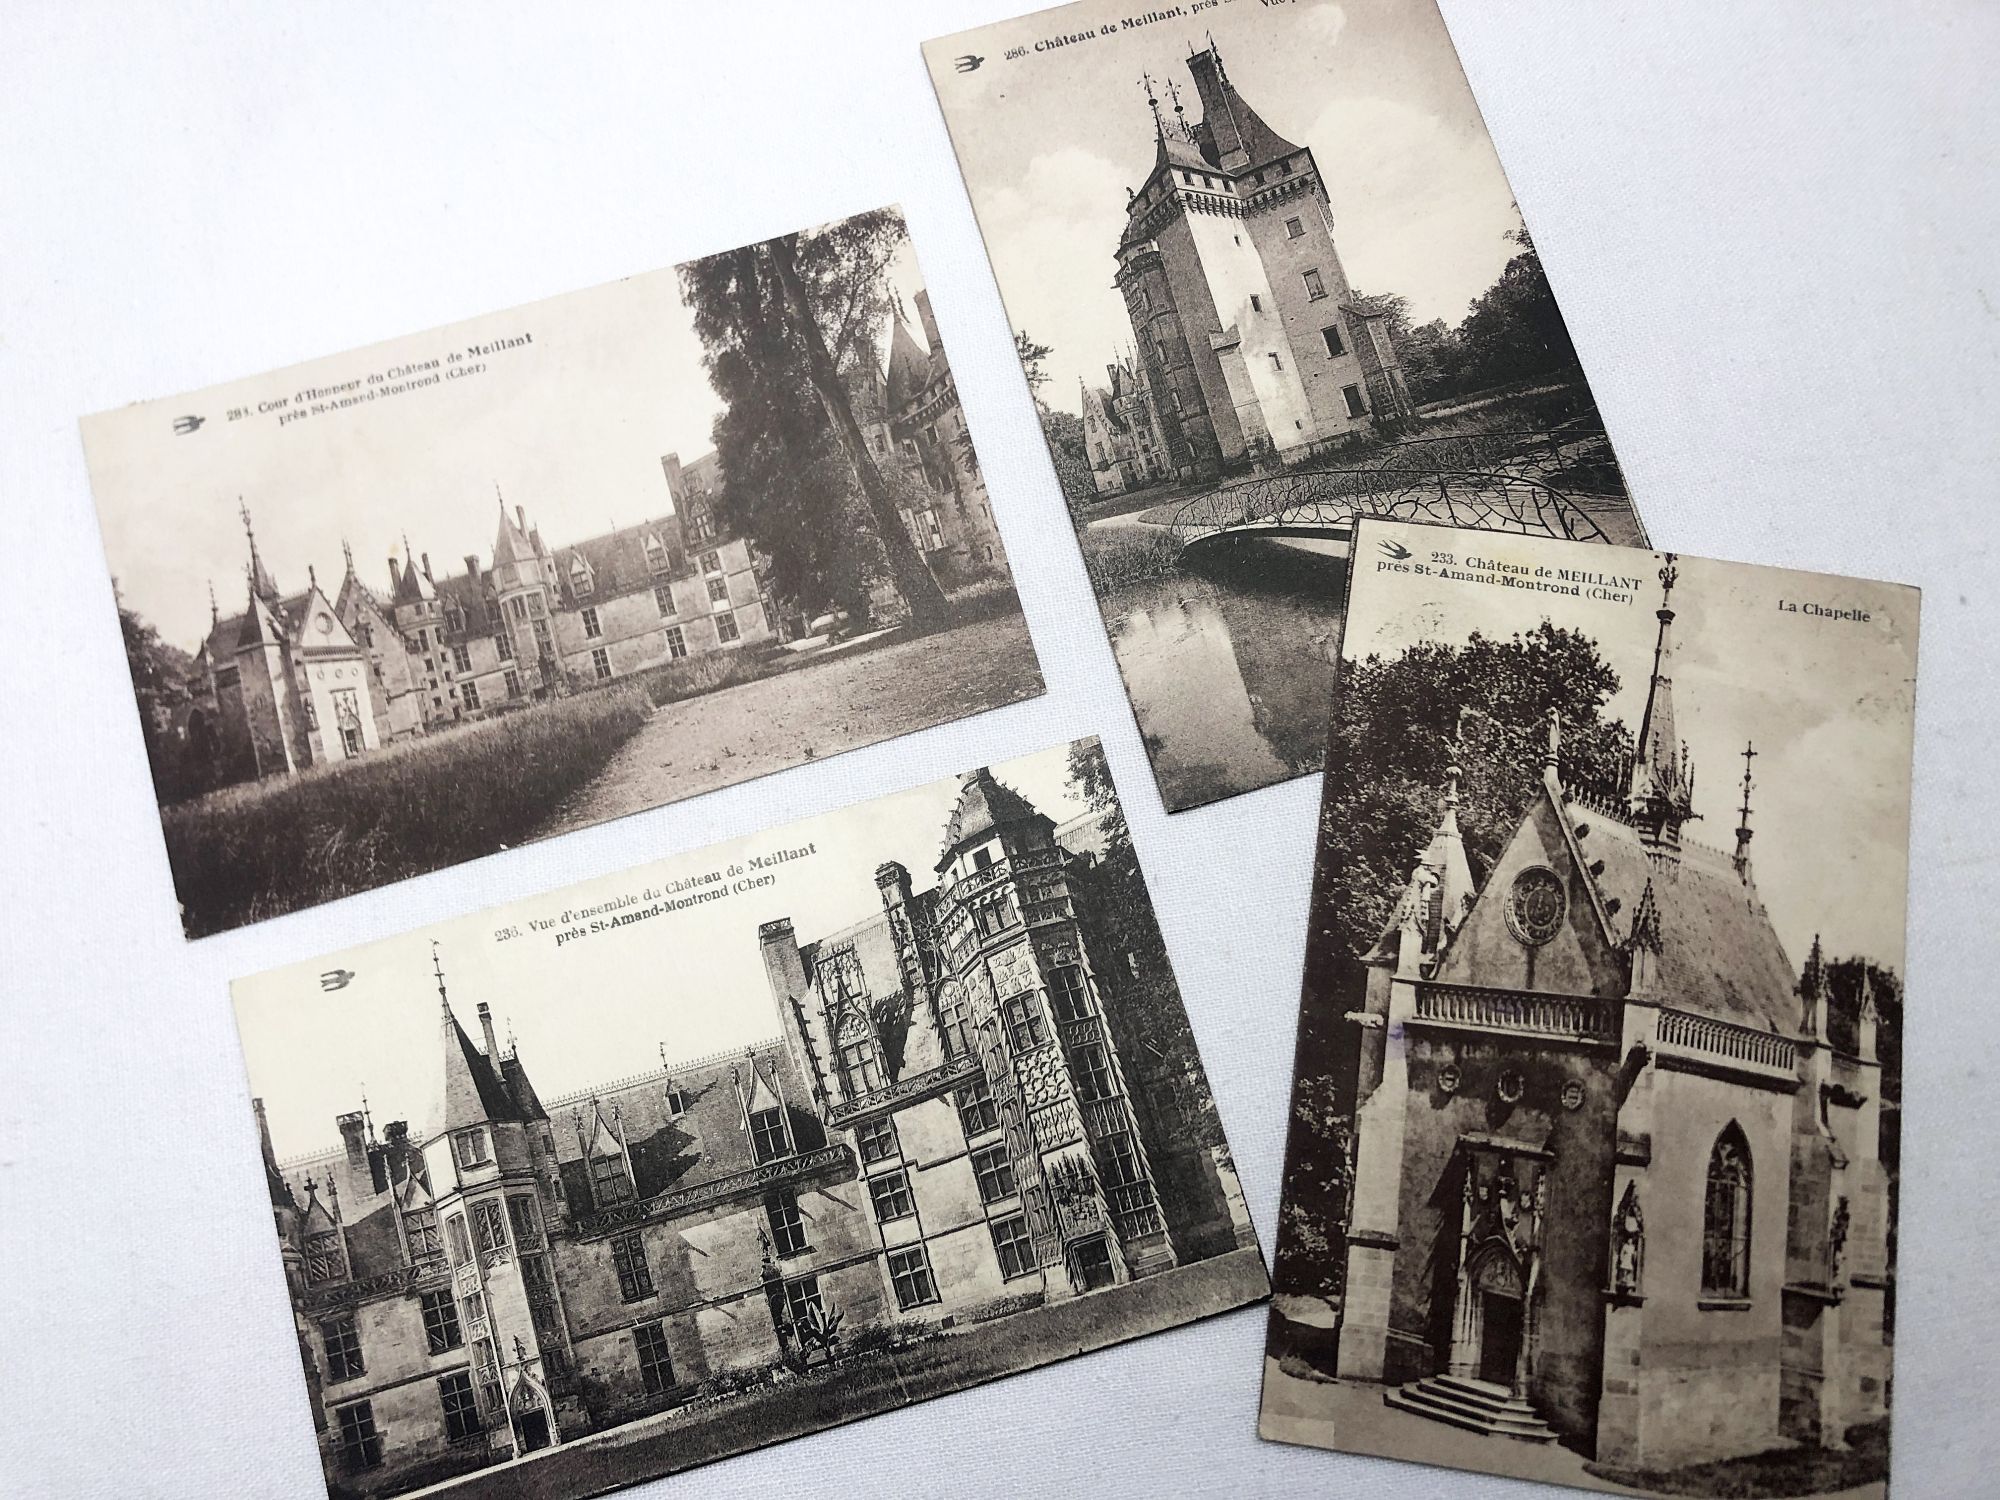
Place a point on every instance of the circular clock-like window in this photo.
(1536, 905)
(1448, 1079)
(324, 624)
(1511, 1087)
(1572, 1095)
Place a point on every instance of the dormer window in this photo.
(769, 1139)
(609, 1182)
(677, 1102)
(579, 578)
(656, 555)
(325, 1260)
(474, 1148)
(861, 1064)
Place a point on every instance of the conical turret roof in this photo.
(984, 803)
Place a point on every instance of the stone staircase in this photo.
(1475, 1405)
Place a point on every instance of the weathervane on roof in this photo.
(437, 968)
(1153, 103)
(1669, 576)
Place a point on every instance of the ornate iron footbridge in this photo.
(1495, 481)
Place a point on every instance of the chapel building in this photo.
(946, 1133)
(1618, 1165)
(1250, 339)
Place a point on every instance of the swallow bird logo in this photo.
(185, 425)
(1394, 551)
(336, 979)
(968, 63)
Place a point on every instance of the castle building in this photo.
(1618, 1165)
(915, 428)
(1123, 434)
(1249, 336)
(297, 680)
(945, 1134)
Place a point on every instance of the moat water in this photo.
(1229, 664)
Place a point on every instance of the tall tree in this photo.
(1061, 430)
(847, 277)
(782, 321)
(1484, 707)
(159, 683)
(1149, 1018)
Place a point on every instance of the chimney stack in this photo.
(486, 1026)
(427, 565)
(521, 517)
(353, 1135)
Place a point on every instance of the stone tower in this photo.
(1246, 327)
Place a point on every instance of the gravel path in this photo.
(719, 739)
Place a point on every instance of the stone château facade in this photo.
(947, 1132)
(1250, 340)
(1618, 1168)
(300, 679)
(1124, 437)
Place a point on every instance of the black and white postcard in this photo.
(1594, 1153)
(582, 558)
(1264, 272)
(737, 1146)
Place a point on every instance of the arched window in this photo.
(1725, 1218)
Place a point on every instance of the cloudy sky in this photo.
(1051, 142)
(571, 426)
(598, 1008)
(1828, 703)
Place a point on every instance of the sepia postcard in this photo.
(1594, 1149)
(1264, 273)
(743, 1144)
(582, 558)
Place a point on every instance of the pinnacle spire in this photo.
(1661, 793)
(1742, 857)
(261, 583)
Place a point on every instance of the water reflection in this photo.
(1229, 668)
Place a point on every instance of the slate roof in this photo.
(1719, 954)
(984, 803)
(469, 1089)
(706, 1142)
(617, 559)
(1261, 142)
(909, 364)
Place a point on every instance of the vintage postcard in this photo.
(1593, 1162)
(743, 1144)
(1264, 271)
(582, 558)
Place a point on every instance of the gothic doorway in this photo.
(1092, 1259)
(531, 1428)
(1500, 1342)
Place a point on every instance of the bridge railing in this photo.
(1328, 500)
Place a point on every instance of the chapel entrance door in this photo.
(1500, 1345)
(532, 1428)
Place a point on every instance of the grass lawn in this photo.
(267, 847)
(865, 1384)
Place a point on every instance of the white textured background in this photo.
(1774, 229)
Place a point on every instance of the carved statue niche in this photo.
(1628, 1244)
(1836, 1240)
